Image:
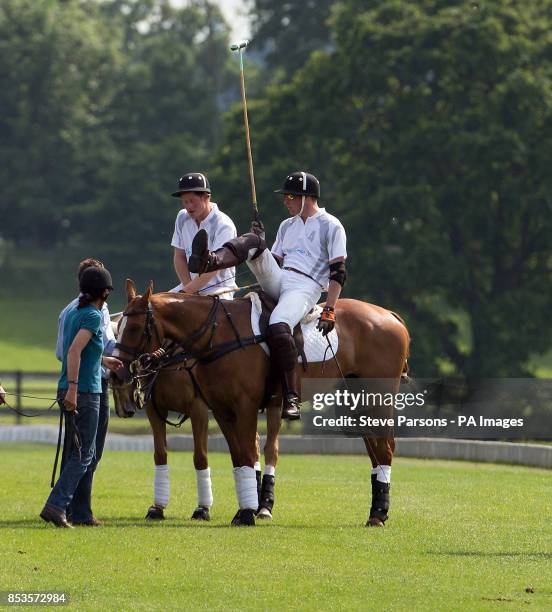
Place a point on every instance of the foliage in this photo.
(428, 123)
(433, 145)
(58, 64)
(286, 33)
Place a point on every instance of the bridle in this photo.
(145, 367)
(149, 329)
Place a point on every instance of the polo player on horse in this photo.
(308, 257)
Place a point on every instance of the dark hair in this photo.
(90, 262)
(85, 299)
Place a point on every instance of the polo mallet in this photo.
(240, 47)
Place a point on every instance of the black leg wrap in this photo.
(259, 484)
(380, 499)
(266, 499)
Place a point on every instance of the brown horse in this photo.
(229, 375)
(171, 391)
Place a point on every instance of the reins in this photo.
(179, 354)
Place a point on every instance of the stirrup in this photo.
(290, 409)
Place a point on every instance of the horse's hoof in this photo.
(264, 513)
(374, 521)
(201, 513)
(244, 518)
(155, 514)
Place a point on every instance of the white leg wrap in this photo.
(269, 470)
(161, 486)
(246, 488)
(257, 466)
(383, 473)
(204, 490)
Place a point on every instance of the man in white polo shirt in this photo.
(198, 212)
(310, 247)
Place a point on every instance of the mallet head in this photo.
(239, 45)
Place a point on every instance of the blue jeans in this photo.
(80, 508)
(74, 467)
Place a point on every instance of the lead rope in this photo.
(30, 416)
(58, 447)
(76, 440)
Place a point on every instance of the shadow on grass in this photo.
(141, 523)
(478, 553)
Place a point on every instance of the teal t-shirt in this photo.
(90, 372)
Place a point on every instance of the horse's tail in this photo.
(405, 378)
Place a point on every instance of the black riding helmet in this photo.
(301, 184)
(95, 280)
(193, 181)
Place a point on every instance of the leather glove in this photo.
(326, 322)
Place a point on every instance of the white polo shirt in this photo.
(220, 229)
(310, 246)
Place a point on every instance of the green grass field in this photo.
(460, 536)
(28, 331)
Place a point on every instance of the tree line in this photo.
(428, 123)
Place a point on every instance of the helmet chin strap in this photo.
(302, 205)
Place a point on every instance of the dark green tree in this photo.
(166, 118)
(430, 128)
(286, 33)
(58, 61)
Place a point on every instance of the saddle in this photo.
(267, 306)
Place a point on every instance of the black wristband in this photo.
(72, 382)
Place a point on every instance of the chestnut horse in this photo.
(171, 391)
(228, 370)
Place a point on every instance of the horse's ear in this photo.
(148, 292)
(130, 289)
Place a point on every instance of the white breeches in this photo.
(296, 294)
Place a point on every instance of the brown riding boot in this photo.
(231, 253)
(54, 515)
(284, 355)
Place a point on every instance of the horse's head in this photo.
(136, 334)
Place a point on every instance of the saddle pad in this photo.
(315, 343)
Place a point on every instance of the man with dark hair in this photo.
(80, 508)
